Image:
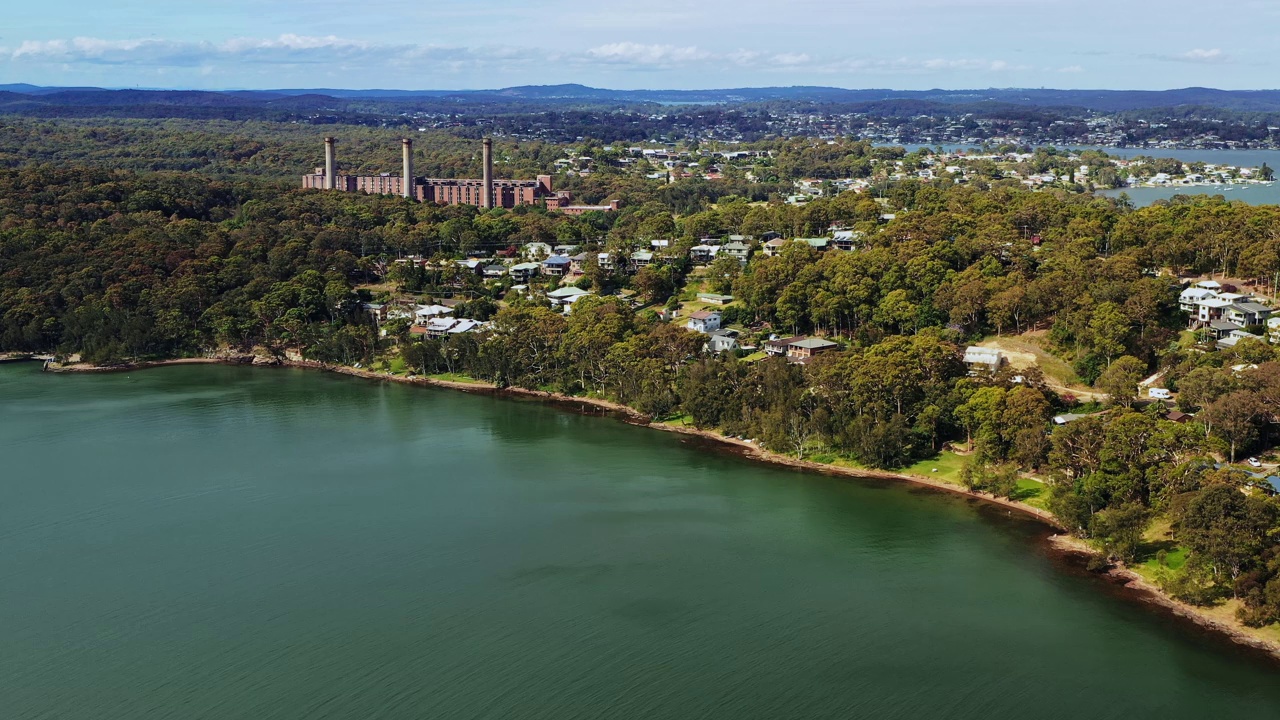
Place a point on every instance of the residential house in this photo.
(535, 251)
(704, 321)
(495, 272)
(566, 295)
(982, 360)
(773, 247)
(605, 260)
(1234, 337)
(847, 240)
(1212, 308)
(715, 299)
(819, 244)
(703, 254)
(778, 346)
(1188, 299)
(423, 312)
(737, 250)
(807, 348)
(556, 266)
(641, 259)
(722, 340)
(524, 272)
(1245, 314)
(1218, 329)
(565, 250)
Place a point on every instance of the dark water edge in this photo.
(902, 588)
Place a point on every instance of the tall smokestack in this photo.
(330, 164)
(488, 173)
(408, 167)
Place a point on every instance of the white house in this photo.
(980, 359)
(704, 321)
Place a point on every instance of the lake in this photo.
(217, 542)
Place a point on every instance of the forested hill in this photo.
(28, 99)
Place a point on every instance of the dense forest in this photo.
(145, 260)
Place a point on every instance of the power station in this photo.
(485, 192)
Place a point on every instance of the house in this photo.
(773, 247)
(556, 265)
(1211, 308)
(806, 348)
(778, 346)
(703, 254)
(722, 341)
(846, 240)
(566, 296)
(715, 299)
(641, 259)
(535, 251)
(441, 328)
(423, 312)
(1218, 329)
(1234, 337)
(1066, 418)
(578, 263)
(737, 250)
(704, 321)
(982, 360)
(565, 250)
(819, 244)
(605, 260)
(1245, 314)
(524, 272)
(495, 271)
(1188, 298)
(1178, 417)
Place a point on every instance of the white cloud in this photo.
(631, 53)
(1198, 55)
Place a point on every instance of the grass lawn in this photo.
(1032, 492)
(678, 421)
(948, 466)
(398, 366)
(455, 377)
(757, 355)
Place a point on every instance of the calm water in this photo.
(204, 542)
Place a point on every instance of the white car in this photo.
(1253, 462)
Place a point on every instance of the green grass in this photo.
(1032, 492)
(753, 357)
(948, 466)
(454, 377)
(677, 420)
(398, 366)
(1152, 568)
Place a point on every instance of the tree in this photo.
(1120, 380)
(1234, 418)
(1108, 328)
(1024, 426)
(1225, 529)
(1120, 529)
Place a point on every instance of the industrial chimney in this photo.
(408, 167)
(330, 164)
(488, 173)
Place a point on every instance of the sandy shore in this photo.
(1060, 541)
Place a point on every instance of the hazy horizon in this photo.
(668, 44)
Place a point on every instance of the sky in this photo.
(655, 44)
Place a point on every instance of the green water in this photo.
(208, 542)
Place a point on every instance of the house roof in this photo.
(1251, 307)
(812, 344)
(526, 266)
(556, 260)
(703, 315)
(783, 342)
(985, 356)
(1223, 325)
(566, 292)
(715, 297)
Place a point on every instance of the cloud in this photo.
(1198, 55)
(631, 53)
(317, 55)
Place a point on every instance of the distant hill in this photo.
(332, 99)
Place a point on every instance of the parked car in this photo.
(1254, 462)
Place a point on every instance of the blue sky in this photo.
(456, 44)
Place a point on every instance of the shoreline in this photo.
(1059, 540)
